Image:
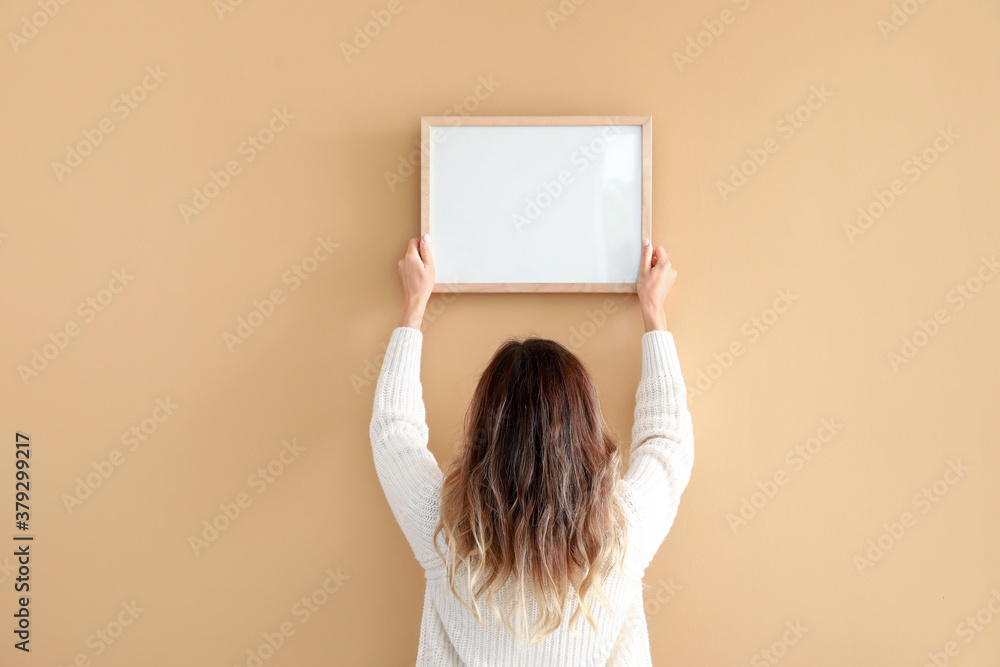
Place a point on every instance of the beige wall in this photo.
(723, 588)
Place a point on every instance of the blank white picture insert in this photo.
(536, 204)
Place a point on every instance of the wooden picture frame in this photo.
(464, 183)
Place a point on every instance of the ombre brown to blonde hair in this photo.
(530, 498)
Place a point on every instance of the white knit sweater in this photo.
(661, 458)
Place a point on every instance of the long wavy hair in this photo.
(531, 496)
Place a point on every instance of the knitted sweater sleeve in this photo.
(408, 472)
(662, 451)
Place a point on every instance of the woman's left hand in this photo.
(416, 273)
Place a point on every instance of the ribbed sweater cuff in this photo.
(402, 354)
(659, 354)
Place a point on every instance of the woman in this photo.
(534, 515)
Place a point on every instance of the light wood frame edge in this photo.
(646, 122)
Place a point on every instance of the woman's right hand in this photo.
(656, 277)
